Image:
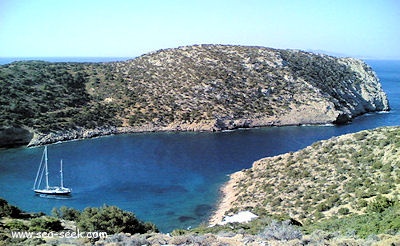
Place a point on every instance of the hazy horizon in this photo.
(5, 60)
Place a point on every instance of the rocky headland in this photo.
(191, 88)
(331, 178)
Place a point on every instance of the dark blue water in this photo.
(171, 179)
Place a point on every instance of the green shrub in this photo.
(318, 215)
(322, 207)
(45, 223)
(373, 223)
(7, 210)
(333, 200)
(343, 211)
(66, 213)
(379, 204)
(387, 168)
(362, 203)
(112, 219)
(377, 165)
(179, 232)
(16, 225)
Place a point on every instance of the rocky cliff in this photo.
(191, 88)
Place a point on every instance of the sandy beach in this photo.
(228, 196)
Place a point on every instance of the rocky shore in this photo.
(302, 116)
(35, 139)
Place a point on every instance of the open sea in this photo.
(170, 179)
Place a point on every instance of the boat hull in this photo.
(54, 191)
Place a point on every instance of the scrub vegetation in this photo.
(108, 219)
(336, 177)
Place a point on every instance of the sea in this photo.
(170, 179)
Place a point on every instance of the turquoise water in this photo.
(171, 179)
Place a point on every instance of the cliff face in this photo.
(201, 87)
(348, 83)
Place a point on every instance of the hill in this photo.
(329, 179)
(191, 88)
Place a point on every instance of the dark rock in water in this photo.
(14, 136)
(185, 218)
(202, 210)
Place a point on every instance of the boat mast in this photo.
(61, 174)
(39, 172)
(45, 166)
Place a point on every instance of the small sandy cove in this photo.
(228, 196)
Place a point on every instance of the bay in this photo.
(170, 179)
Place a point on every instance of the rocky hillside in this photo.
(201, 87)
(332, 178)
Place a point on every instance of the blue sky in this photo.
(118, 28)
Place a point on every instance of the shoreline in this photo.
(227, 193)
(296, 118)
(40, 139)
(29, 137)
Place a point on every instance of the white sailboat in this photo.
(49, 190)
